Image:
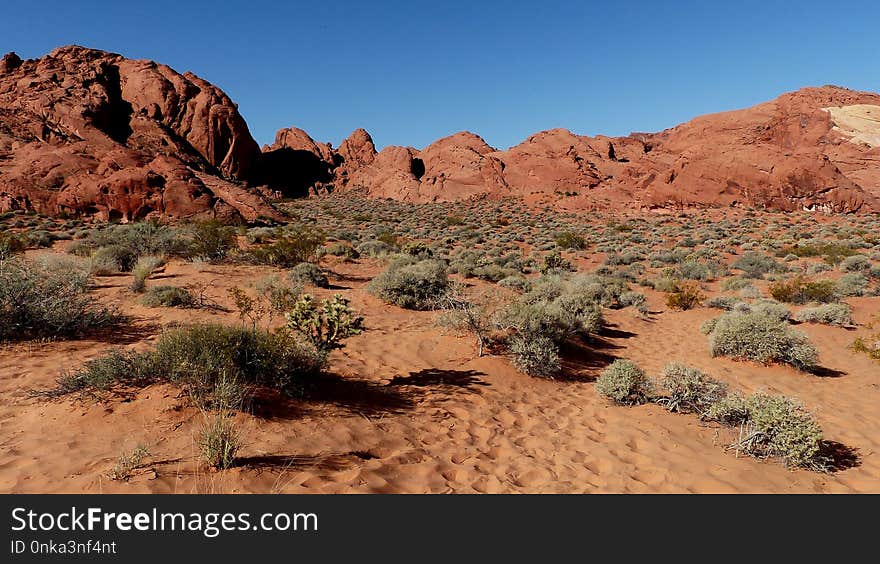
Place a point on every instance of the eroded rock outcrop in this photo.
(814, 149)
(84, 131)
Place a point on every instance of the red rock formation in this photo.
(788, 154)
(85, 131)
(784, 154)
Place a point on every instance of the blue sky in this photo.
(411, 72)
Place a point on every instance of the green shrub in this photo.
(761, 338)
(756, 265)
(554, 262)
(772, 426)
(736, 283)
(632, 299)
(137, 239)
(535, 356)
(212, 240)
(852, 285)
(290, 249)
(723, 302)
(770, 308)
(417, 249)
(828, 314)
(10, 244)
(690, 390)
(343, 250)
(856, 263)
(375, 248)
(799, 290)
(113, 259)
(556, 318)
(570, 240)
(199, 357)
(516, 282)
(169, 296)
(411, 283)
(308, 273)
(127, 462)
(625, 383)
(41, 299)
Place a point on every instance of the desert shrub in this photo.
(723, 302)
(211, 240)
(417, 249)
(761, 338)
(142, 270)
(278, 296)
(113, 259)
(818, 267)
(832, 253)
(770, 308)
(127, 462)
(664, 284)
(553, 262)
(853, 284)
(856, 263)
(259, 235)
(869, 345)
(736, 283)
(828, 314)
(40, 299)
(492, 272)
(632, 299)
(686, 295)
(695, 270)
(772, 426)
(290, 249)
(308, 273)
(756, 265)
(799, 290)
(169, 296)
(11, 244)
(325, 324)
(624, 383)
(219, 441)
(732, 409)
(690, 390)
(374, 248)
(411, 284)
(535, 356)
(343, 250)
(135, 240)
(201, 356)
(515, 282)
(557, 317)
(570, 240)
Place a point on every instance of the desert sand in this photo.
(411, 408)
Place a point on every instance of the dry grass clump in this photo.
(48, 299)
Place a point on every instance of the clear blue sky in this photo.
(410, 71)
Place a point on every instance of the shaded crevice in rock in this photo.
(417, 168)
(113, 117)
